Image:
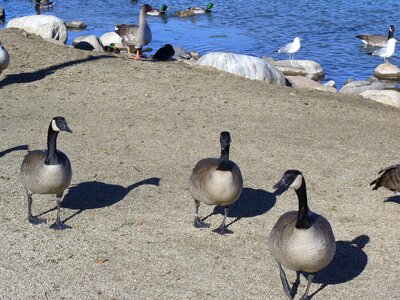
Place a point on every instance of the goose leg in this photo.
(284, 281)
(32, 219)
(222, 229)
(310, 280)
(58, 225)
(197, 222)
(129, 52)
(138, 53)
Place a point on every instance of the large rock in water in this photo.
(301, 82)
(387, 71)
(88, 42)
(359, 86)
(243, 65)
(44, 25)
(383, 96)
(306, 68)
(111, 38)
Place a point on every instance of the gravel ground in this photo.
(139, 128)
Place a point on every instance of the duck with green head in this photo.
(158, 12)
(201, 10)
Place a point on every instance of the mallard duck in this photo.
(158, 12)
(134, 35)
(185, 13)
(376, 40)
(300, 240)
(216, 181)
(291, 48)
(164, 53)
(201, 10)
(47, 172)
(4, 58)
(386, 51)
(43, 4)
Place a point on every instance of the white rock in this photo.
(306, 68)
(89, 42)
(111, 37)
(387, 71)
(388, 97)
(243, 65)
(44, 25)
(358, 86)
(301, 82)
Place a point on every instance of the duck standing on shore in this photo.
(376, 40)
(4, 58)
(158, 12)
(389, 179)
(134, 35)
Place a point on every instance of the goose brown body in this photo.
(389, 179)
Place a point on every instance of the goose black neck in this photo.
(52, 158)
(390, 34)
(303, 221)
(224, 162)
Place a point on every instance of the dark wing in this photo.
(389, 179)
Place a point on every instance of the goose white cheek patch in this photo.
(297, 182)
(54, 126)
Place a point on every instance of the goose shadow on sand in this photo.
(95, 194)
(12, 149)
(394, 199)
(349, 262)
(251, 203)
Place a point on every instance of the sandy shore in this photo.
(139, 128)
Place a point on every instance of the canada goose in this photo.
(158, 12)
(134, 35)
(47, 172)
(291, 48)
(4, 59)
(376, 40)
(389, 179)
(201, 10)
(300, 240)
(43, 4)
(386, 51)
(216, 181)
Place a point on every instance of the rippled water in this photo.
(254, 27)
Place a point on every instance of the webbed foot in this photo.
(36, 220)
(59, 226)
(200, 224)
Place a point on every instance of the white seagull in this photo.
(4, 58)
(291, 48)
(387, 51)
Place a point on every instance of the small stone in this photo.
(387, 71)
(75, 24)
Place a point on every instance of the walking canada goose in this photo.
(376, 40)
(4, 59)
(201, 10)
(386, 51)
(134, 35)
(300, 240)
(291, 48)
(158, 12)
(389, 179)
(216, 181)
(47, 172)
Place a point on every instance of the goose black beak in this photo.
(67, 129)
(281, 184)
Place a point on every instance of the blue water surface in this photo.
(252, 27)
